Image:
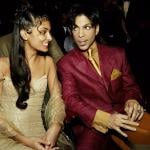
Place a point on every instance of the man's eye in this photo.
(74, 28)
(87, 27)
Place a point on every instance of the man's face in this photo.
(84, 32)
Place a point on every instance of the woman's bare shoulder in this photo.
(49, 60)
(50, 64)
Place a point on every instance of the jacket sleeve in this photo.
(101, 121)
(75, 105)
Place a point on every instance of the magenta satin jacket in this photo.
(84, 91)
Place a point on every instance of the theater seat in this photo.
(139, 139)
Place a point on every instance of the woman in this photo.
(23, 80)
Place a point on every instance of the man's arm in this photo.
(73, 101)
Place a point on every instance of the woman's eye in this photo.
(42, 32)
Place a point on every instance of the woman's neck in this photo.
(31, 57)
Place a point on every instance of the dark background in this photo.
(137, 23)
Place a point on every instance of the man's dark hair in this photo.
(91, 12)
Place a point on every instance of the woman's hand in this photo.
(35, 143)
(40, 144)
(118, 121)
(51, 136)
(134, 110)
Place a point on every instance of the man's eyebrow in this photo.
(83, 25)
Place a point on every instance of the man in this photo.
(98, 88)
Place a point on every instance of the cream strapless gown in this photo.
(28, 121)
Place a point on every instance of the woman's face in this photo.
(39, 37)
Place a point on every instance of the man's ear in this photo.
(24, 35)
(97, 29)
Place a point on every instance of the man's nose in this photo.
(81, 33)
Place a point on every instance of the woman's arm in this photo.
(55, 109)
(32, 142)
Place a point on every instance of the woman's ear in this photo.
(97, 29)
(24, 35)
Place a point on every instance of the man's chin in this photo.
(83, 48)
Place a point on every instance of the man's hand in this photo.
(118, 121)
(134, 110)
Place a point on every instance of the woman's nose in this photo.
(49, 36)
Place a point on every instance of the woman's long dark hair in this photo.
(26, 17)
